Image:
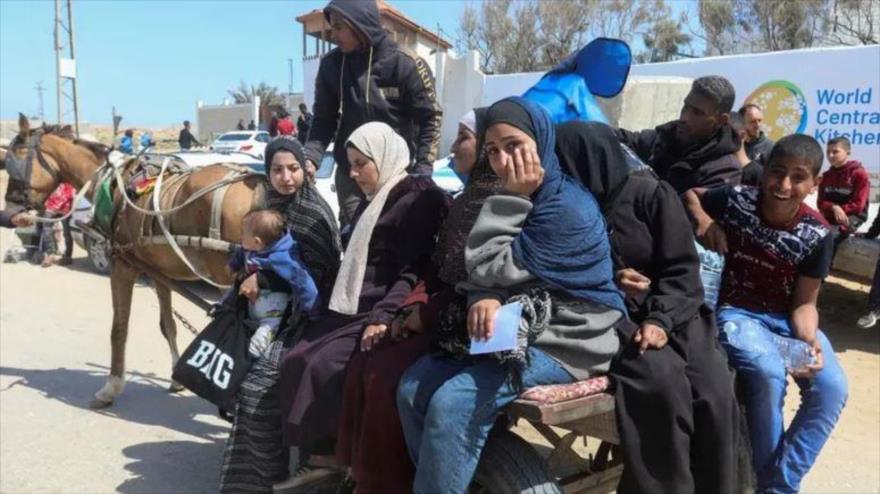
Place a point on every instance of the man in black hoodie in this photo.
(699, 149)
(368, 77)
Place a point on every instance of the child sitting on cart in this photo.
(269, 250)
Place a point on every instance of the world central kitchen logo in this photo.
(840, 111)
(784, 107)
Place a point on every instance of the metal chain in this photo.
(186, 324)
(177, 315)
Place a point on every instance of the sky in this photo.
(153, 60)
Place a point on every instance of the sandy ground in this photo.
(54, 353)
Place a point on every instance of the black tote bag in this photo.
(217, 361)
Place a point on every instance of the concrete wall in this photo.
(644, 102)
(310, 72)
(461, 86)
(212, 120)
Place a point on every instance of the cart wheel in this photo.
(99, 254)
(510, 465)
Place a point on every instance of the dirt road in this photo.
(55, 348)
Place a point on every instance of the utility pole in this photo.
(40, 111)
(58, 99)
(65, 62)
(290, 86)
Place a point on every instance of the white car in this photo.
(442, 175)
(198, 159)
(252, 142)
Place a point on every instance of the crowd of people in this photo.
(361, 361)
(369, 374)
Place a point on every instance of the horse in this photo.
(52, 155)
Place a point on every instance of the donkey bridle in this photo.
(20, 171)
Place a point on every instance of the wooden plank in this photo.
(562, 412)
(593, 483)
(602, 426)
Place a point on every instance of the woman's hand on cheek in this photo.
(524, 172)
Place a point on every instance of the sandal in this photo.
(306, 475)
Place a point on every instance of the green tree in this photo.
(790, 24)
(665, 41)
(726, 26)
(745, 26)
(854, 22)
(531, 35)
(269, 95)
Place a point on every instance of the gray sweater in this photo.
(581, 334)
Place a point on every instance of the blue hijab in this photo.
(563, 241)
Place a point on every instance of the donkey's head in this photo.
(39, 159)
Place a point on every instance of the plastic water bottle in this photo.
(796, 354)
(745, 335)
(711, 266)
(748, 335)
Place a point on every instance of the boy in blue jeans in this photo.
(778, 251)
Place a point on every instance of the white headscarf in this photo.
(469, 120)
(379, 142)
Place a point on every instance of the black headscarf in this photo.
(506, 111)
(592, 154)
(284, 143)
(310, 220)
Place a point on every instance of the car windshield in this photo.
(326, 169)
(234, 137)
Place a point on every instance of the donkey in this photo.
(51, 155)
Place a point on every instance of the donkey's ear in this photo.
(24, 126)
(67, 132)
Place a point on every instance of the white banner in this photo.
(823, 92)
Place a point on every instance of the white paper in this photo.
(504, 335)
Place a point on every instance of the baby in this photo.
(271, 252)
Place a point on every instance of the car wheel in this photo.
(99, 254)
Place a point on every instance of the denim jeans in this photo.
(447, 408)
(874, 295)
(782, 457)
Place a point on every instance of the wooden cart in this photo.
(510, 464)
